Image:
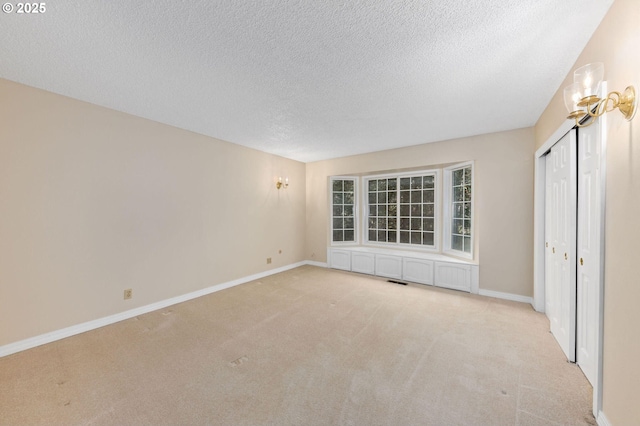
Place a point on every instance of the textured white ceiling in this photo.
(307, 79)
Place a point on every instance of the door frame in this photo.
(539, 237)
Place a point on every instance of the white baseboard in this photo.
(506, 296)
(52, 336)
(602, 419)
(319, 264)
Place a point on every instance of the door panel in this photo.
(588, 291)
(561, 238)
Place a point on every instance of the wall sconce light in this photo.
(581, 97)
(281, 184)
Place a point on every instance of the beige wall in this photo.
(93, 201)
(503, 204)
(616, 43)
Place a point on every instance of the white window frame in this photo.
(356, 211)
(437, 209)
(447, 210)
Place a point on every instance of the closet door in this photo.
(560, 245)
(588, 279)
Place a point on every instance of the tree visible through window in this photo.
(461, 209)
(343, 221)
(401, 210)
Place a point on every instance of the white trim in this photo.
(356, 236)
(318, 264)
(602, 419)
(437, 199)
(52, 336)
(447, 196)
(506, 296)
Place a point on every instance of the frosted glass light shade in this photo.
(573, 95)
(590, 78)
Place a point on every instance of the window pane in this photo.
(382, 185)
(338, 223)
(393, 237)
(427, 238)
(373, 222)
(337, 236)
(416, 182)
(349, 235)
(458, 194)
(337, 210)
(429, 210)
(348, 223)
(337, 185)
(404, 223)
(372, 235)
(457, 210)
(382, 236)
(467, 210)
(456, 242)
(428, 182)
(428, 224)
(382, 210)
(348, 186)
(405, 183)
(467, 227)
(405, 196)
(467, 193)
(416, 224)
(416, 196)
(416, 238)
(348, 197)
(467, 244)
(382, 197)
(404, 237)
(348, 211)
(382, 223)
(393, 210)
(392, 184)
(467, 175)
(458, 177)
(458, 227)
(428, 196)
(373, 185)
(372, 198)
(392, 223)
(393, 197)
(404, 210)
(373, 210)
(416, 210)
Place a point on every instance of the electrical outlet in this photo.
(128, 294)
(268, 260)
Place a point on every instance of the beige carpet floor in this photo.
(309, 346)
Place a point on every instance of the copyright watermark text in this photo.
(25, 8)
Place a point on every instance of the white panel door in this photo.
(588, 292)
(561, 239)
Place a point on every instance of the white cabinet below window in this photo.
(363, 263)
(389, 266)
(421, 268)
(340, 259)
(417, 270)
(457, 277)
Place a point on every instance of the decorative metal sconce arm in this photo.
(625, 102)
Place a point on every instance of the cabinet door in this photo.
(363, 263)
(389, 266)
(453, 275)
(417, 270)
(341, 259)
